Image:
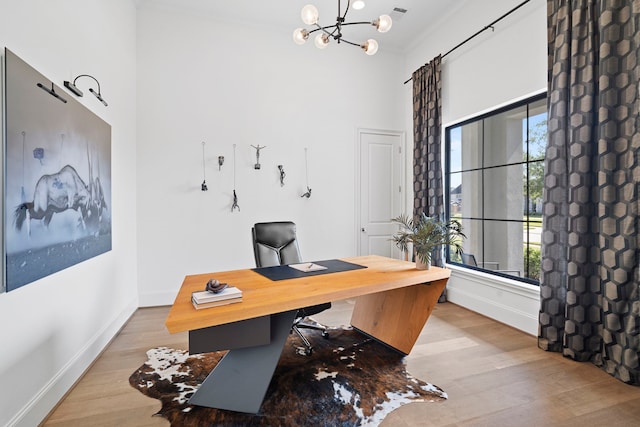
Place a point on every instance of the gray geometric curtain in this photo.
(427, 164)
(590, 302)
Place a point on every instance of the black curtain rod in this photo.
(490, 26)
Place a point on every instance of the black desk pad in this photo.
(284, 272)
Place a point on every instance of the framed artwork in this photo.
(57, 177)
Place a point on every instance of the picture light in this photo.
(51, 92)
(73, 88)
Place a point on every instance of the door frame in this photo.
(358, 169)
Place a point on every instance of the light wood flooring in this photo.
(494, 376)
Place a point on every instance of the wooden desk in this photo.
(393, 302)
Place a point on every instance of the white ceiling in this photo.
(284, 15)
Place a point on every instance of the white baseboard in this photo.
(35, 411)
(156, 299)
(508, 301)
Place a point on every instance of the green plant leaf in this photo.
(427, 234)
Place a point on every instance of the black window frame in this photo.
(447, 182)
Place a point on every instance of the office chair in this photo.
(275, 243)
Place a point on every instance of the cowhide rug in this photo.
(348, 380)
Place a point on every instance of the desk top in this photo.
(262, 296)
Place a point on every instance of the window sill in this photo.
(506, 300)
(500, 282)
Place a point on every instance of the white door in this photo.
(380, 190)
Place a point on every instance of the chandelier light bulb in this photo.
(322, 40)
(383, 23)
(370, 47)
(300, 36)
(358, 4)
(310, 14)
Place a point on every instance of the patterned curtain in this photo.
(590, 306)
(427, 163)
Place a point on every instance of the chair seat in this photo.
(313, 309)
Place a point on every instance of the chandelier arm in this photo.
(358, 23)
(351, 43)
(335, 27)
(324, 30)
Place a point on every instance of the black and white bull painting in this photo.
(57, 178)
(59, 192)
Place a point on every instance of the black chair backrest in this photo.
(469, 259)
(275, 243)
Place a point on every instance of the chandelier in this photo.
(326, 33)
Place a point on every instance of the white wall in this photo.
(52, 329)
(495, 68)
(204, 80)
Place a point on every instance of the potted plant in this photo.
(427, 234)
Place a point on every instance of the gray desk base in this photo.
(240, 380)
(246, 333)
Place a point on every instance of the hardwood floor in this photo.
(494, 376)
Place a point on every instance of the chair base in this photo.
(297, 325)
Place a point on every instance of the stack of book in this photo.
(206, 299)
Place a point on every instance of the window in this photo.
(494, 170)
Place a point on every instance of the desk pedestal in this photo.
(240, 380)
(396, 317)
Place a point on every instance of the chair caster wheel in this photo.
(308, 352)
(325, 334)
